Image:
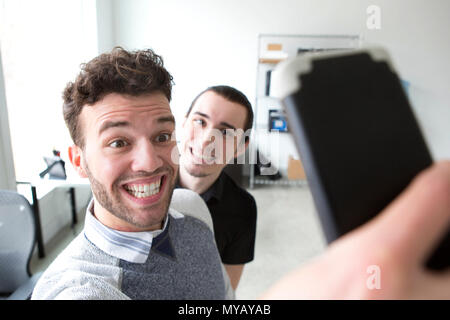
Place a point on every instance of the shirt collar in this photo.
(130, 246)
(216, 190)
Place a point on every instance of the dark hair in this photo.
(119, 71)
(232, 95)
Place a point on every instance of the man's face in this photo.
(128, 158)
(210, 138)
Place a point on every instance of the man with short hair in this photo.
(216, 130)
(134, 244)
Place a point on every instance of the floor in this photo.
(55, 246)
(288, 234)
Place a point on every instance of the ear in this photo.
(75, 157)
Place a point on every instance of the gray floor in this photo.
(288, 234)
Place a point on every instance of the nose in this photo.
(146, 157)
(206, 137)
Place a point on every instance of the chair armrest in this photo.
(24, 291)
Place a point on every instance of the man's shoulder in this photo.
(232, 189)
(190, 204)
(81, 271)
(81, 249)
(196, 225)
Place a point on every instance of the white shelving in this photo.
(272, 49)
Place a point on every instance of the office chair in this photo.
(17, 240)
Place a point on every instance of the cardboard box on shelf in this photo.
(295, 169)
(274, 47)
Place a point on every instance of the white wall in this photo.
(206, 42)
(43, 44)
(105, 25)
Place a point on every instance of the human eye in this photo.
(163, 137)
(118, 143)
(227, 132)
(200, 122)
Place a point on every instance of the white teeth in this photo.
(200, 156)
(143, 190)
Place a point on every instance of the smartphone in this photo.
(356, 134)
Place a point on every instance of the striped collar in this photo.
(130, 246)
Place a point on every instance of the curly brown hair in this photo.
(119, 71)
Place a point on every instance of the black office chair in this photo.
(17, 240)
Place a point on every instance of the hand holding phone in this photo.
(357, 136)
(378, 261)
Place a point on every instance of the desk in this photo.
(42, 187)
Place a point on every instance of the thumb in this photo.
(414, 224)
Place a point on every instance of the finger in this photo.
(414, 223)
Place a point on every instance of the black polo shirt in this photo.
(233, 212)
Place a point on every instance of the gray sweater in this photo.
(183, 263)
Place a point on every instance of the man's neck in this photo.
(196, 184)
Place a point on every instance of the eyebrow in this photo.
(225, 124)
(114, 124)
(166, 119)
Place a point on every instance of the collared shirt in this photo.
(130, 246)
(233, 211)
(182, 264)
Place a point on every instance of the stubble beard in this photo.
(112, 202)
(196, 174)
(194, 170)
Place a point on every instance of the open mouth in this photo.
(200, 158)
(144, 190)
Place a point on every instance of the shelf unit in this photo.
(272, 49)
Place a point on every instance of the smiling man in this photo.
(134, 244)
(131, 156)
(215, 132)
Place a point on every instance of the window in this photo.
(42, 46)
